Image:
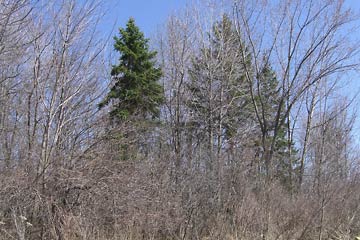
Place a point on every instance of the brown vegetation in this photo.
(231, 156)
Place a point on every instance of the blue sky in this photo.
(148, 14)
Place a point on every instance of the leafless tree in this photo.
(306, 43)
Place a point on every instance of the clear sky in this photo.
(148, 14)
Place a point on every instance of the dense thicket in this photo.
(236, 127)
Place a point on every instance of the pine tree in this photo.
(136, 91)
(136, 95)
(285, 161)
(217, 88)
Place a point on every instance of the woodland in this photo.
(236, 120)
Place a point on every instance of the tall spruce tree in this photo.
(217, 88)
(136, 91)
(268, 97)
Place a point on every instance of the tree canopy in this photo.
(136, 91)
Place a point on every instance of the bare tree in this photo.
(176, 49)
(306, 43)
(14, 17)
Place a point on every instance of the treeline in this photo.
(232, 123)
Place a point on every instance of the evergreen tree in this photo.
(136, 95)
(285, 161)
(136, 91)
(218, 89)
